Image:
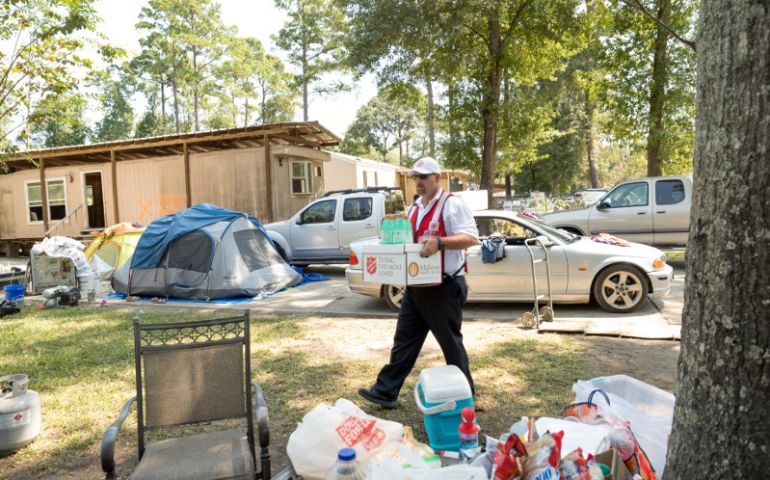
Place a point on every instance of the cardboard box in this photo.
(618, 468)
(384, 264)
(422, 271)
(400, 265)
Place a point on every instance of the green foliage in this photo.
(40, 54)
(313, 40)
(58, 121)
(115, 99)
(627, 63)
(391, 120)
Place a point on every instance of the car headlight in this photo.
(659, 263)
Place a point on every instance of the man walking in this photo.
(445, 226)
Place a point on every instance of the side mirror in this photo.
(604, 205)
(298, 220)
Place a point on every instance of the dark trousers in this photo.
(423, 310)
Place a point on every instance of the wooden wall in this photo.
(153, 187)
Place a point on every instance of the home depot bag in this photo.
(313, 446)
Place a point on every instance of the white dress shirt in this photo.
(458, 218)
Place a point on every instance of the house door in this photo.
(94, 199)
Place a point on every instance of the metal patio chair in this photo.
(192, 372)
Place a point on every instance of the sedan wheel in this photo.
(620, 289)
(393, 296)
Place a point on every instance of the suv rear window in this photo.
(394, 203)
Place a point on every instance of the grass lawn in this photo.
(80, 360)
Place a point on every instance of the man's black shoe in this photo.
(374, 397)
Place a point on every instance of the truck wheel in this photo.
(620, 289)
(393, 296)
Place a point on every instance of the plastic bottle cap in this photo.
(347, 454)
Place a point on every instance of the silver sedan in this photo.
(619, 278)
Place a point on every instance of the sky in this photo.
(254, 18)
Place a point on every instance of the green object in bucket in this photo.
(605, 469)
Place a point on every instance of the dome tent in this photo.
(204, 252)
(112, 248)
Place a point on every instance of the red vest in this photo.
(419, 230)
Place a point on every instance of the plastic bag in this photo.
(404, 460)
(326, 429)
(455, 472)
(648, 410)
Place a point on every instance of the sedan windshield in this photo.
(560, 235)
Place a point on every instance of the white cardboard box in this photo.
(400, 264)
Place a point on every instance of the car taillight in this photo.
(353, 258)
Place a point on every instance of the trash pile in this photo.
(617, 429)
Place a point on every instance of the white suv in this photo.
(322, 231)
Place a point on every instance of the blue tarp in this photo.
(306, 278)
(162, 231)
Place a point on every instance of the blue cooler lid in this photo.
(444, 384)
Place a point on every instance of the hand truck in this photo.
(545, 313)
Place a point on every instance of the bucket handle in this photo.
(444, 407)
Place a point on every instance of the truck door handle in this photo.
(641, 213)
(331, 228)
(368, 226)
(661, 211)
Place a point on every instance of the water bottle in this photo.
(408, 237)
(398, 230)
(346, 467)
(386, 232)
(431, 232)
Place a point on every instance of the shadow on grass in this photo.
(81, 362)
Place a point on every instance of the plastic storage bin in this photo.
(648, 409)
(441, 393)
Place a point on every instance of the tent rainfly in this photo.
(112, 248)
(205, 252)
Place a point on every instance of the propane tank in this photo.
(19, 413)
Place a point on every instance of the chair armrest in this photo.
(109, 439)
(261, 414)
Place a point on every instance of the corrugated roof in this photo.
(309, 134)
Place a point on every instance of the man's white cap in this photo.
(425, 166)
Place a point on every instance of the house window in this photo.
(57, 201)
(319, 171)
(301, 177)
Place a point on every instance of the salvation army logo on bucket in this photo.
(371, 265)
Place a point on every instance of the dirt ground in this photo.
(366, 343)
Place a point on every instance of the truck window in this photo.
(321, 212)
(356, 209)
(669, 192)
(629, 195)
(394, 203)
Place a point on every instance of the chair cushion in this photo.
(208, 456)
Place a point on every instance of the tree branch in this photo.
(483, 38)
(638, 4)
(512, 23)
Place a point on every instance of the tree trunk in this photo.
(264, 105)
(721, 420)
(431, 119)
(163, 102)
(489, 111)
(174, 90)
(508, 185)
(196, 87)
(246, 112)
(658, 92)
(304, 90)
(590, 141)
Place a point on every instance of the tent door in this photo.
(94, 198)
